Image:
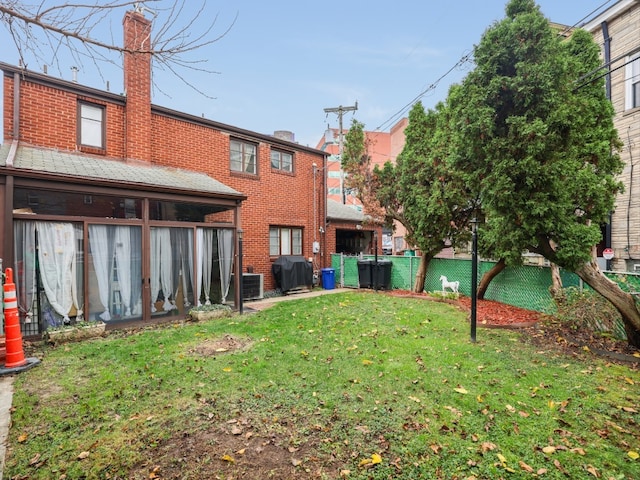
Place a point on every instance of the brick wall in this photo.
(48, 116)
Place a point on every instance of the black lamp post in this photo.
(474, 276)
(240, 279)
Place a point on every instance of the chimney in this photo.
(137, 84)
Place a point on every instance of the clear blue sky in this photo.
(283, 61)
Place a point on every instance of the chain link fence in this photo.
(525, 286)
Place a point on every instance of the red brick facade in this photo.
(137, 131)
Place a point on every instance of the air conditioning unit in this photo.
(252, 286)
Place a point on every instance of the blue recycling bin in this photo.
(328, 278)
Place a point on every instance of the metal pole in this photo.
(376, 276)
(474, 278)
(340, 112)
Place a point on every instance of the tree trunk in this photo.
(623, 301)
(421, 274)
(556, 282)
(488, 277)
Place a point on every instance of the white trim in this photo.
(610, 13)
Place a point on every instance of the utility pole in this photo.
(340, 111)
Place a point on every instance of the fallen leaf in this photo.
(502, 459)
(236, 431)
(295, 462)
(227, 369)
(414, 399)
(241, 451)
(83, 455)
(629, 410)
(228, 458)
(559, 467)
(461, 390)
(633, 455)
(579, 451)
(23, 438)
(525, 467)
(34, 459)
(549, 449)
(345, 473)
(593, 471)
(629, 381)
(375, 458)
(487, 446)
(366, 362)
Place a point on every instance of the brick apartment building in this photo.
(137, 210)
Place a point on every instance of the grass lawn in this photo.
(358, 385)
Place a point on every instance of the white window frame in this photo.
(92, 125)
(285, 241)
(243, 157)
(632, 82)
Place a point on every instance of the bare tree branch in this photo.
(43, 31)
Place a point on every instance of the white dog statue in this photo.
(454, 286)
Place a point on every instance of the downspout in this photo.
(607, 62)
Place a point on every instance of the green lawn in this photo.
(354, 385)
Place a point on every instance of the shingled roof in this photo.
(78, 166)
(345, 213)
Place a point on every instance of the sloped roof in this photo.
(75, 165)
(345, 213)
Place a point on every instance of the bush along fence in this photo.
(525, 286)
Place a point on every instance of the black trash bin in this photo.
(382, 275)
(365, 273)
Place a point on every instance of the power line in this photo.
(433, 86)
(465, 58)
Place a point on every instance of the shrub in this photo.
(590, 310)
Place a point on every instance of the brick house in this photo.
(617, 31)
(136, 210)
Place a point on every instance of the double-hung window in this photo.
(632, 81)
(91, 125)
(243, 157)
(282, 161)
(285, 241)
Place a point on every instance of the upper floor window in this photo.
(243, 157)
(285, 241)
(91, 131)
(282, 161)
(632, 81)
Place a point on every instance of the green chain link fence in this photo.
(526, 286)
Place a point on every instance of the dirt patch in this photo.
(235, 449)
(220, 346)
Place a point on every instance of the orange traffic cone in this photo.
(15, 354)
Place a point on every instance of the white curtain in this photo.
(123, 259)
(225, 253)
(24, 235)
(135, 235)
(56, 254)
(161, 267)
(204, 248)
(182, 242)
(77, 285)
(100, 252)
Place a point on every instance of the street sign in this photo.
(607, 253)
